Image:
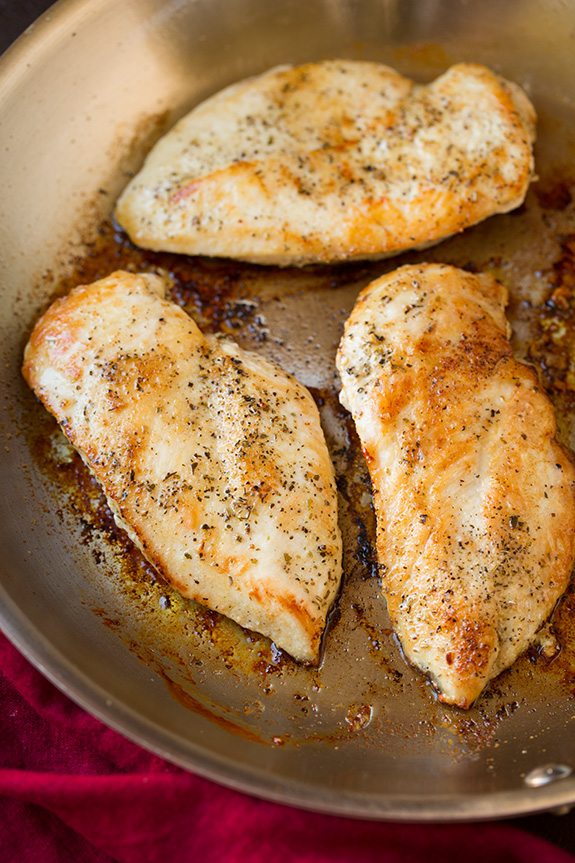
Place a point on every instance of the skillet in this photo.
(82, 97)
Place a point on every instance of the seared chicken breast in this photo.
(333, 161)
(212, 458)
(475, 498)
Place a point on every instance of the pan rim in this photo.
(448, 808)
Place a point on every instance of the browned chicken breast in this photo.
(333, 161)
(475, 499)
(212, 458)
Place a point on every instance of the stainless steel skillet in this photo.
(81, 97)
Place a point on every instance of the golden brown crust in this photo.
(211, 458)
(334, 161)
(474, 495)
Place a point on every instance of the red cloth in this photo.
(73, 790)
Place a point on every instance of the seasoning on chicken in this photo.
(333, 161)
(474, 496)
(212, 459)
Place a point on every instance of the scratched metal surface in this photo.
(364, 733)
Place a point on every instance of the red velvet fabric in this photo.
(73, 790)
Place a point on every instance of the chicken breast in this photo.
(212, 458)
(333, 161)
(475, 499)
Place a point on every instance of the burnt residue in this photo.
(366, 553)
(553, 348)
(480, 730)
(362, 666)
(220, 294)
(563, 662)
(556, 196)
(378, 639)
(84, 496)
(211, 712)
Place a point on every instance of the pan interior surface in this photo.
(83, 96)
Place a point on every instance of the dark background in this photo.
(15, 16)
